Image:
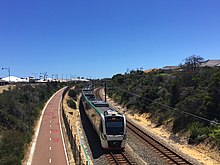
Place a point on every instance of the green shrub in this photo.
(71, 103)
(215, 134)
(72, 93)
(199, 132)
(176, 96)
(19, 109)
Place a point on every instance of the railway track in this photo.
(119, 158)
(163, 151)
(170, 156)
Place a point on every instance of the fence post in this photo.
(79, 154)
(75, 147)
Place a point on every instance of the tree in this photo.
(193, 62)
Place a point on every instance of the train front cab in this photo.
(113, 133)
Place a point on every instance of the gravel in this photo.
(161, 140)
(141, 153)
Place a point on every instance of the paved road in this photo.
(49, 146)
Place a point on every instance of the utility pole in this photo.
(9, 74)
(105, 91)
(34, 75)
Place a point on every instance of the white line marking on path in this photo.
(50, 131)
(34, 140)
(61, 131)
(50, 160)
(50, 148)
(50, 139)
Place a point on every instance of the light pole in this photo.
(8, 68)
(34, 74)
(105, 91)
(45, 76)
(71, 76)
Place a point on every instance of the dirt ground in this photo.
(74, 121)
(5, 87)
(202, 153)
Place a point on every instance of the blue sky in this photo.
(100, 38)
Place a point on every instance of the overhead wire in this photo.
(212, 122)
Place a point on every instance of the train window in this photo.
(114, 125)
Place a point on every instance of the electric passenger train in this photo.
(109, 124)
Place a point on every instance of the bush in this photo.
(198, 133)
(19, 110)
(190, 93)
(215, 134)
(72, 93)
(71, 103)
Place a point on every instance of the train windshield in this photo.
(114, 125)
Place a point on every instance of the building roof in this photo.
(211, 63)
(170, 67)
(14, 79)
(2, 80)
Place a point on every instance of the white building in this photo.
(14, 79)
(211, 63)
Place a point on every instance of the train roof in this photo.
(101, 106)
(100, 103)
(88, 88)
(104, 108)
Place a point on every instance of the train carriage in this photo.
(107, 122)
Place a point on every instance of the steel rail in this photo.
(164, 151)
(119, 158)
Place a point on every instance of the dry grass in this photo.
(6, 87)
(73, 117)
